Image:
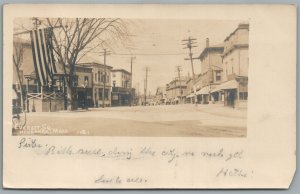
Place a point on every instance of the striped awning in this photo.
(204, 90)
(232, 84)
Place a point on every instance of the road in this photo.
(149, 121)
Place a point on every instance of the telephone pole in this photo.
(36, 22)
(145, 85)
(131, 94)
(178, 69)
(190, 43)
(105, 53)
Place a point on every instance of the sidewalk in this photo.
(221, 110)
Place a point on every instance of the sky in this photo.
(157, 44)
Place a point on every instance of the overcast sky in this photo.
(158, 46)
(156, 43)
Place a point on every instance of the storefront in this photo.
(203, 95)
(121, 96)
(234, 93)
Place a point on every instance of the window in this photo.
(243, 95)
(101, 94)
(218, 76)
(86, 80)
(103, 77)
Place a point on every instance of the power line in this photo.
(190, 43)
(146, 54)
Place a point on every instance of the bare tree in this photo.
(18, 51)
(77, 37)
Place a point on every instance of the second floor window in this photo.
(218, 76)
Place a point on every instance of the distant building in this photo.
(176, 90)
(235, 63)
(211, 71)
(161, 95)
(122, 92)
(190, 96)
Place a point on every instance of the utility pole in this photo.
(178, 69)
(36, 22)
(131, 94)
(145, 85)
(105, 53)
(190, 43)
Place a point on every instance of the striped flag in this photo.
(42, 52)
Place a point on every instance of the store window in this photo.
(105, 94)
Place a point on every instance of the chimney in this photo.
(207, 42)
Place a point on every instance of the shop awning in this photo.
(204, 90)
(192, 95)
(232, 84)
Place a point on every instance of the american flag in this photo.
(42, 52)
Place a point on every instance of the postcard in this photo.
(149, 96)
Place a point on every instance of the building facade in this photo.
(36, 98)
(122, 92)
(211, 72)
(101, 84)
(161, 95)
(176, 91)
(235, 63)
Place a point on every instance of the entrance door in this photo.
(231, 97)
(81, 99)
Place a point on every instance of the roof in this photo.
(94, 64)
(217, 48)
(240, 26)
(120, 70)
